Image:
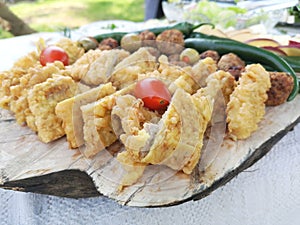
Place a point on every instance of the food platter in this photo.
(27, 164)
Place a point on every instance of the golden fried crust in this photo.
(5, 89)
(247, 102)
(220, 85)
(186, 117)
(128, 119)
(126, 72)
(175, 76)
(69, 112)
(80, 68)
(42, 100)
(220, 81)
(281, 87)
(102, 68)
(202, 69)
(12, 77)
(73, 50)
(169, 142)
(204, 107)
(166, 139)
(19, 92)
(97, 130)
(210, 103)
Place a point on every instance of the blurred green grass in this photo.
(55, 15)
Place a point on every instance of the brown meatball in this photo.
(210, 53)
(148, 38)
(233, 64)
(281, 87)
(170, 42)
(108, 44)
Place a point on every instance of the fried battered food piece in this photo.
(5, 89)
(12, 77)
(108, 44)
(19, 92)
(170, 42)
(80, 68)
(232, 64)
(131, 122)
(246, 107)
(30, 118)
(98, 132)
(203, 69)
(187, 116)
(69, 112)
(220, 86)
(169, 141)
(42, 100)
(127, 71)
(220, 81)
(173, 76)
(101, 69)
(210, 53)
(281, 87)
(167, 70)
(73, 49)
(185, 81)
(194, 112)
(204, 106)
(128, 119)
(212, 99)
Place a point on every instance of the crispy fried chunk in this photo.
(203, 69)
(80, 68)
(126, 72)
(74, 50)
(19, 92)
(247, 102)
(42, 100)
(12, 77)
(98, 131)
(69, 112)
(128, 118)
(101, 69)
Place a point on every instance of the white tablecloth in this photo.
(267, 193)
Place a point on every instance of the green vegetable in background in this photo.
(294, 62)
(206, 11)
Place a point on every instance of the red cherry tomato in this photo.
(53, 53)
(153, 92)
